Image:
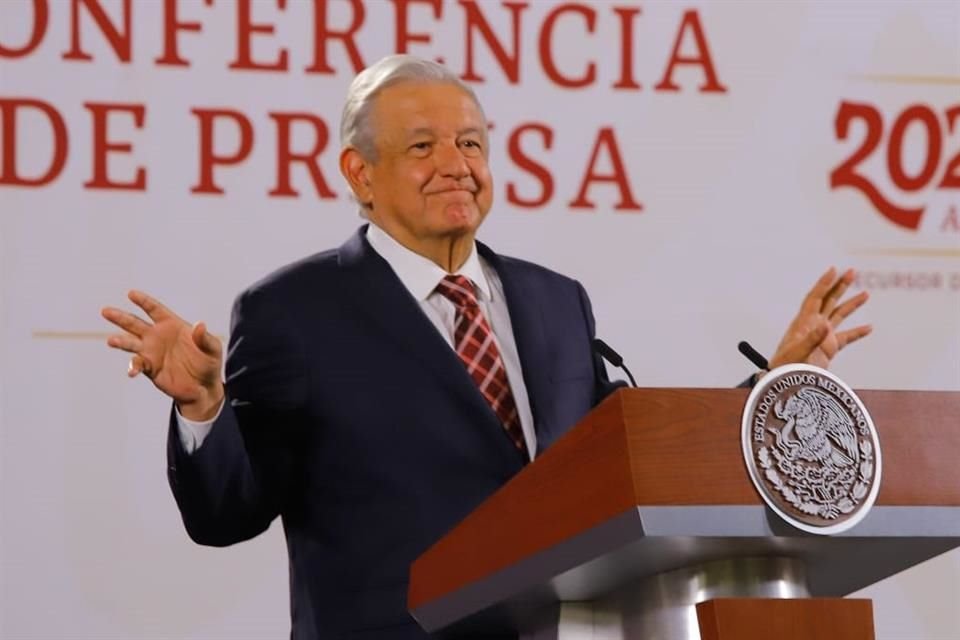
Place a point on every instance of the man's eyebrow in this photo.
(427, 131)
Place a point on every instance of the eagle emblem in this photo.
(811, 449)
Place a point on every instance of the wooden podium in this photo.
(645, 510)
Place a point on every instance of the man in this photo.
(375, 394)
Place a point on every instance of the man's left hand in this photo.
(813, 336)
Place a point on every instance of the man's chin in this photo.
(463, 218)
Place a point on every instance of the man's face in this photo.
(430, 180)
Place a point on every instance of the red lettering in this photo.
(509, 62)
(951, 176)
(172, 25)
(286, 156)
(691, 21)
(208, 158)
(403, 34)
(606, 139)
(119, 41)
(246, 28)
(847, 174)
(898, 175)
(322, 33)
(524, 162)
(626, 15)
(41, 16)
(546, 46)
(102, 146)
(951, 222)
(8, 151)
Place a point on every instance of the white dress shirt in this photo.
(421, 276)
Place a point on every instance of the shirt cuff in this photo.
(192, 433)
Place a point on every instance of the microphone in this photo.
(753, 355)
(607, 353)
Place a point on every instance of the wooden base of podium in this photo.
(786, 619)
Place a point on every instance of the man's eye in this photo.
(420, 146)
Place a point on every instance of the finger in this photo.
(125, 342)
(845, 338)
(836, 292)
(126, 321)
(151, 306)
(813, 302)
(135, 367)
(849, 306)
(205, 341)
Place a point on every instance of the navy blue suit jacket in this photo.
(350, 417)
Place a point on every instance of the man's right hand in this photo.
(182, 361)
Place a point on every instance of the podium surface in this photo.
(653, 482)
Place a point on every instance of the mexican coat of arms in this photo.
(811, 449)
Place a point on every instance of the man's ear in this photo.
(356, 169)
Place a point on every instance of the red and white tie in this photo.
(476, 347)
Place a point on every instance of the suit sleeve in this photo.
(603, 386)
(233, 486)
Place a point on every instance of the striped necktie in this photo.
(478, 351)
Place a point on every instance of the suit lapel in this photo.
(371, 284)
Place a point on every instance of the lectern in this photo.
(646, 511)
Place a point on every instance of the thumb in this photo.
(811, 341)
(204, 340)
(801, 350)
(816, 335)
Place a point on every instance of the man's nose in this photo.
(451, 161)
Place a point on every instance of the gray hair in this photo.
(356, 128)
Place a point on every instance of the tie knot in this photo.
(458, 290)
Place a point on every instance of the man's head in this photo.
(415, 151)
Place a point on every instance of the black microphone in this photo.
(611, 356)
(753, 355)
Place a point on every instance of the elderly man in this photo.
(376, 393)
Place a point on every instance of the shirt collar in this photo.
(421, 275)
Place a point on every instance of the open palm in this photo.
(181, 360)
(814, 335)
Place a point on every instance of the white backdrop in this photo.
(732, 171)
